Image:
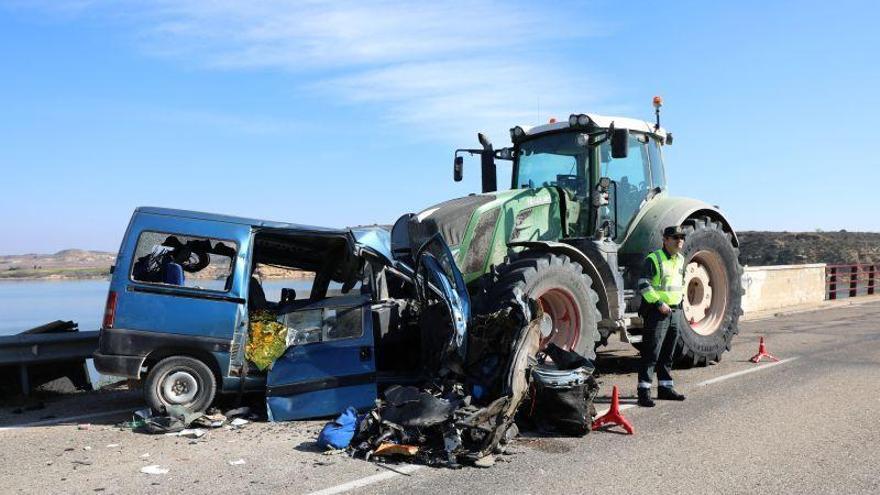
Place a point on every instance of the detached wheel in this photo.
(564, 292)
(180, 381)
(712, 293)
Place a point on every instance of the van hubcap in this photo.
(179, 388)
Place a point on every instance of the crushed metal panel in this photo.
(320, 378)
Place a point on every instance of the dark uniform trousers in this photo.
(659, 337)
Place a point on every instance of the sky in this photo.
(339, 113)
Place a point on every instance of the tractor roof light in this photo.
(578, 119)
(517, 133)
(658, 102)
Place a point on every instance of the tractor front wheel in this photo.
(564, 292)
(712, 293)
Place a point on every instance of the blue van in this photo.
(185, 285)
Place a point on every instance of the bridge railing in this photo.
(851, 280)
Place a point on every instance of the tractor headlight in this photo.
(578, 119)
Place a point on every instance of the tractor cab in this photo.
(605, 169)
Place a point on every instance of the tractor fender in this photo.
(646, 235)
(590, 268)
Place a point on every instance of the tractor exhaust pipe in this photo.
(487, 164)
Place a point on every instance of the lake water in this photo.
(27, 304)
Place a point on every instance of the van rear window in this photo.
(184, 261)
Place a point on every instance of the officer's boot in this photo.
(668, 393)
(645, 397)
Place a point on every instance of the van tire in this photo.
(182, 381)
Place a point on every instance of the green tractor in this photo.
(587, 202)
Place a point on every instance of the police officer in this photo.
(661, 287)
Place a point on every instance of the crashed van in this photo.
(185, 292)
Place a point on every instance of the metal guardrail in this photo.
(47, 347)
(851, 280)
(44, 356)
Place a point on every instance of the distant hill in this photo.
(756, 249)
(65, 264)
(796, 248)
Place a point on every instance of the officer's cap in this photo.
(674, 231)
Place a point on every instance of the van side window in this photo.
(183, 261)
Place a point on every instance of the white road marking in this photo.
(735, 374)
(54, 421)
(369, 480)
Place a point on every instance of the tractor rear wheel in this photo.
(712, 293)
(564, 292)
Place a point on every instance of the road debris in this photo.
(464, 414)
(337, 434)
(239, 411)
(395, 449)
(154, 469)
(191, 433)
(238, 462)
(562, 392)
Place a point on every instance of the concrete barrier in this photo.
(780, 287)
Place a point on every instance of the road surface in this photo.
(810, 424)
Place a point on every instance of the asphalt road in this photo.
(808, 425)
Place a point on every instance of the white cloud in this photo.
(445, 67)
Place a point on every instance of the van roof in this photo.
(253, 222)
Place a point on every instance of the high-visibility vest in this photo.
(667, 285)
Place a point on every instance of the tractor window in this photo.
(658, 178)
(631, 178)
(554, 160)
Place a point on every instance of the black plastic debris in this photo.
(459, 418)
(563, 389)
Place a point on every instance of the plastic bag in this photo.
(337, 434)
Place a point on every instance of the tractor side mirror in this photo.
(458, 169)
(619, 144)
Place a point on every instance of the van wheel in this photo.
(180, 381)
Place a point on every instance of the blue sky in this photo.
(341, 113)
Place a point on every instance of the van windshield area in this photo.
(184, 261)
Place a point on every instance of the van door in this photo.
(439, 274)
(178, 286)
(329, 363)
